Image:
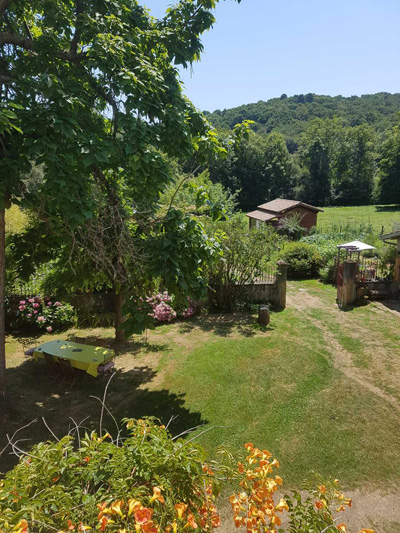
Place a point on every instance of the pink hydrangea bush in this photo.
(162, 306)
(44, 314)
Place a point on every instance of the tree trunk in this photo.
(2, 309)
(119, 318)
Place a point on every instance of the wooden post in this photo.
(349, 289)
(281, 277)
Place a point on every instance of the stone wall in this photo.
(267, 293)
(378, 290)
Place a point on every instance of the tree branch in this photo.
(78, 30)
(6, 37)
(6, 80)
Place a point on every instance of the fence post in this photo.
(349, 293)
(281, 277)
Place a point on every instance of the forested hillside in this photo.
(319, 149)
(290, 116)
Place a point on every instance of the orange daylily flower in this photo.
(142, 516)
(133, 505)
(366, 531)
(215, 521)
(191, 521)
(322, 489)
(180, 509)
(103, 523)
(22, 526)
(320, 504)
(71, 526)
(249, 446)
(282, 505)
(116, 507)
(342, 527)
(157, 495)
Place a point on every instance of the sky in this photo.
(259, 49)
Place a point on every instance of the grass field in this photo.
(377, 215)
(319, 387)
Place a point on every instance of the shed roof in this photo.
(280, 205)
(261, 215)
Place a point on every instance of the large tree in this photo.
(259, 167)
(389, 168)
(319, 146)
(354, 172)
(98, 101)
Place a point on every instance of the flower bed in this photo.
(44, 314)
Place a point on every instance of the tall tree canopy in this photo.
(259, 167)
(93, 88)
(389, 184)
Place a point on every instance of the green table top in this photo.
(76, 352)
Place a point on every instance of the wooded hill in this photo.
(290, 115)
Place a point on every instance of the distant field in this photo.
(376, 215)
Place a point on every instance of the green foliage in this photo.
(245, 255)
(66, 480)
(389, 182)
(327, 273)
(290, 226)
(197, 195)
(291, 117)
(315, 511)
(16, 220)
(259, 168)
(95, 90)
(303, 260)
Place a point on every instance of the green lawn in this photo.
(376, 215)
(282, 388)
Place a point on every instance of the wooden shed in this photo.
(272, 212)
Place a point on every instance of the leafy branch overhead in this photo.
(91, 93)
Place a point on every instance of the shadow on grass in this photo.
(33, 395)
(387, 208)
(224, 325)
(394, 305)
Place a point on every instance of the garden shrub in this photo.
(149, 482)
(328, 272)
(303, 260)
(39, 313)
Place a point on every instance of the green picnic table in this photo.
(81, 356)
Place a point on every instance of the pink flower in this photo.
(22, 302)
(57, 304)
(36, 305)
(49, 329)
(38, 300)
(22, 307)
(29, 315)
(49, 304)
(41, 319)
(31, 300)
(35, 312)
